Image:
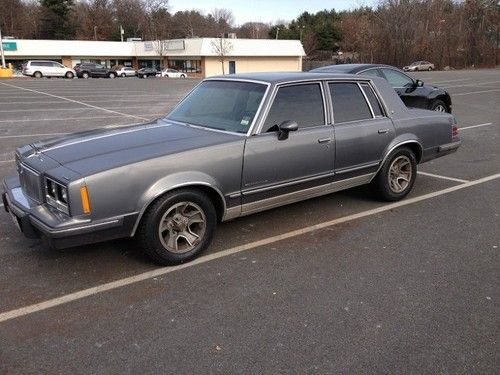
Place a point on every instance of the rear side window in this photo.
(300, 103)
(348, 102)
(375, 104)
(372, 73)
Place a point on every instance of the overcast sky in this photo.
(266, 10)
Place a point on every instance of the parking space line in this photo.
(451, 80)
(73, 101)
(476, 126)
(30, 135)
(475, 92)
(27, 310)
(442, 177)
(152, 116)
(64, 109)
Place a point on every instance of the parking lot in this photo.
(338, 284)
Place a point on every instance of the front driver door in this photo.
(406, 87)
(281, 171)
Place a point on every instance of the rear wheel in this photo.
(111, 75)
(183, 76)
(38, 75)
(69, 75)
(430, 68)
(85, 75)
(177, 226)
(124, 75)
(397, 176)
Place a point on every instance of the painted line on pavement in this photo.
(476, 126)
(442, 177)
(474, 92)
(73, 101)
(71, 109)
(27, 310)
(153, 116)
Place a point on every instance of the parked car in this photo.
(233, 146)
(172, 73)
(88, 70)
(126, 71)
(147, 72)
(419, 65)
(46, 68)
(413, 92)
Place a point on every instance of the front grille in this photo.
(30, 182)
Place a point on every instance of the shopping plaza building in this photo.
(197, 57)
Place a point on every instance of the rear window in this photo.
(348, 102)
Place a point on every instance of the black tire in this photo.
(111, 75)
(85, 75)
(148, 236)
(124, 75)
(38, 75)
(69, 75)
(430, 68)
(183, 76)
(384, 189)
(438, 105)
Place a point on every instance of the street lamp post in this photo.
(1, 50)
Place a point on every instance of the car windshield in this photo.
(222, 105)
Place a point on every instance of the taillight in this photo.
(454, 131)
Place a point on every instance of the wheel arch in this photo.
(168, 185)
(412, 143)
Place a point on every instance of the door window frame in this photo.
(326, 111)
(358, 83)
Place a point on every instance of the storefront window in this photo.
(187, 66)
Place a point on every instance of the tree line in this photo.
(447, 32)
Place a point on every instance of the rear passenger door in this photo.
(362, 129)
(304, 160)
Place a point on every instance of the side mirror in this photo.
(419, 83)
(285, 128)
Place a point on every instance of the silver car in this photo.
(47, 68)
(418, 66)
(235, 145)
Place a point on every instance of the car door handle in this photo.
(324, 140)
(383, 131)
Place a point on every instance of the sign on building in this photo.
(9, 46)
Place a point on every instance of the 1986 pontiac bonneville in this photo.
(235, 145)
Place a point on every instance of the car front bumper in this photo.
(36, 220)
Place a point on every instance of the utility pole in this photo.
(1, 50)
(277, 32)
(95, 32)
(121, 32)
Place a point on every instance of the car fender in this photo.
(176, 181)
(402, 140)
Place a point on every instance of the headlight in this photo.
(56, 195)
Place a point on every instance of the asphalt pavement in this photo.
(338, 284)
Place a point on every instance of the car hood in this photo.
(93, 151)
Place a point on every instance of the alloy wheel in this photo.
(400, 174)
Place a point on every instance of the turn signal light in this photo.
(84, 194)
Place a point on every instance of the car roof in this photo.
(283, 77)
(350, 68)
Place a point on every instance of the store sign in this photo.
(9, 46)
(175, 45)
(148, 46)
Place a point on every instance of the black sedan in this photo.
(413, 92)
(147, 72)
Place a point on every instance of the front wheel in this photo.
(37, 75)
(85, 75)
(397, 176)
(183, 76)
(439, 106)
(177, 227)
(69, 75)
(112, 75)
(124, 75)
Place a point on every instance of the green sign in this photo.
(9, 46)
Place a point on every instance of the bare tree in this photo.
(158, 23)
(221, 47)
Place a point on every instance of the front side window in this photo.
(372, 73)
(348, 102)
(301, 103)
(397, 79)
(223, 105)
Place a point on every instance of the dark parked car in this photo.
(147, 72)
(413, 92)
(87, 70)
(235, 145)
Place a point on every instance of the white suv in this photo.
(46, 68)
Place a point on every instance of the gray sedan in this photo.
(235, 145)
